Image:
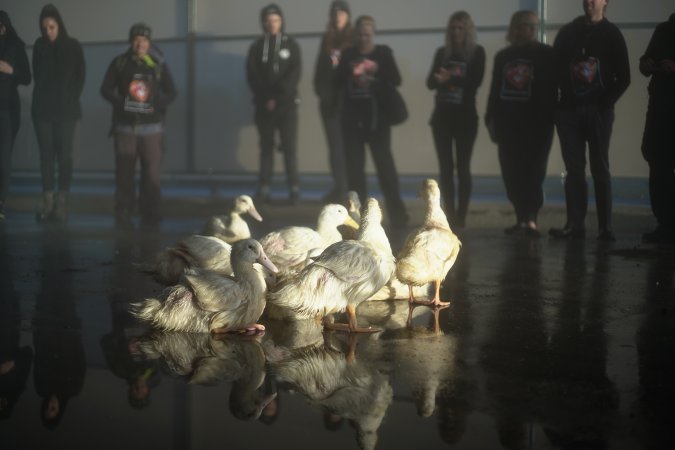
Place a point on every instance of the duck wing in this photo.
(290, 246)
(213, 292)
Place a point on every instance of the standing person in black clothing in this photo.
(456, 73)
(520, 117)
(139, 86)
(363, 69)
(338, 37)
(14, 70)
(658, 142)
(273, 69)
(58, 71)
(593, 72)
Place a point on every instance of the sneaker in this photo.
(567, 233)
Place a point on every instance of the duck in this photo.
(343, 276)
(209, 360)
(354, 210)
(290, 248)
(429, 251)
(206, 301)
(195, 251)
(232, 228)
(353, 390)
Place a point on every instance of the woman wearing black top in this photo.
(338, 37)
(14, 70)
(363, 70)
(520, 117)
(58, 70)
(456, 73)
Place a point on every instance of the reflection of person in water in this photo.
(655, 341)
(120, 344)
(57, 334)
(15, 360)
(581, 398)
(512, 373)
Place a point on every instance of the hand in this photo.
(6, 68)
(442, 76)
(667, 65)
(270, 105)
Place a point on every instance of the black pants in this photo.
(286, 123)
(523, 157)
(460, 130)
(55, 140)
(576, 127)
(356, 135)
(658, 148)
(332, 127)
(6, 140)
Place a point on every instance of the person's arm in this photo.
(109, 90)
(649, 61)
(432, 82)
(79, 69)
(387, 71)
(167, 90)
(22, 69)
(493, 96)
(288, 84)
(621, 66)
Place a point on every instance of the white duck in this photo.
(196, 251)
(207, 301)
(232, 228)
(429, 251)
(291, 248)
(343, 276)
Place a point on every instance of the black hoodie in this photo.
(273, 66)
(59, 71)
(591, 63)
(13, 52)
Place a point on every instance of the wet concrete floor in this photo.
(547, 345)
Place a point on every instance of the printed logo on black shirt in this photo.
(517, 82)
(139, 95)
(586, 77)
(452, 93)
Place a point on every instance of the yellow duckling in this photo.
(291, 248)
(232, 228)
(429, 251)
(343, 276)
(207, 301)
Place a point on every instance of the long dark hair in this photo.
(334, 38)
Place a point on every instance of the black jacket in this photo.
(139, 92)
(523, 90)
(13, 52)
(591, 63)
(273, 68)
(59, 73)
(662, 85)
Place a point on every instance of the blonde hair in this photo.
(469, 46)
(518, 19)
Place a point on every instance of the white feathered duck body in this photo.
(431, 250)
(196, 251)
(290, 248)
(232, 227)
(344, 275)
(206, 301)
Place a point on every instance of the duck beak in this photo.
(254, 213)
(351, 223)
(266, 263)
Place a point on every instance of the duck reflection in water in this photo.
(204, 359)
(356, 391)
(57, 333)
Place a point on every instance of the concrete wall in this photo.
(210, 126)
